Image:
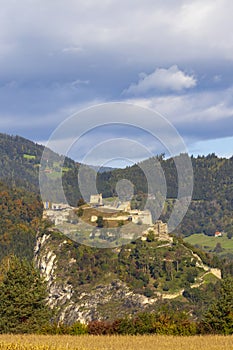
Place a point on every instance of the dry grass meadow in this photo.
(88, 342)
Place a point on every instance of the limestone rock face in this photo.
(77, 304)
(46, 261)
(101, 301)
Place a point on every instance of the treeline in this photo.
(142, 323)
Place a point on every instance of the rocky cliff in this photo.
(99, 301)
(83, 287)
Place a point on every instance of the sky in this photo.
(173, 57)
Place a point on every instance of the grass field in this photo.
(208, 243)
(29, 156)
(154, 342)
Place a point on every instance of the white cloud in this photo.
(73, 49)
(197, 116)
(162, 79)
(78, 82)
(217, 78)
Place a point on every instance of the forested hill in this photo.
(212, 200)
(212, 177)
(210, 210)
(20, 216)
(20, 161)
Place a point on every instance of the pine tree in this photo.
(100, 222)
(219, 318)
(23, 306)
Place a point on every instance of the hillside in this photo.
(87, 283)
(20, 213)
(223, 246)
(19, 159)
(20, 163)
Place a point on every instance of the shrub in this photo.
(99, 328)
(78, 328)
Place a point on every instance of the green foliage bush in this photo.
(76, 328)
(146, 323)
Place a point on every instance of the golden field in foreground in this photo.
(88, 342)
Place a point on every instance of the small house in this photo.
(218, 234)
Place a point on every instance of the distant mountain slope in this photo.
(102, 169)
(212, 201)
(213, 176)
(20, 163)
(19, 159)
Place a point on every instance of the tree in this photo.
(120, 223)
(23, 306)
(219, 318)
(100, 221)
(80, 212)
(218, 248)
(150, 236)
(229, 235)
(80, 202)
